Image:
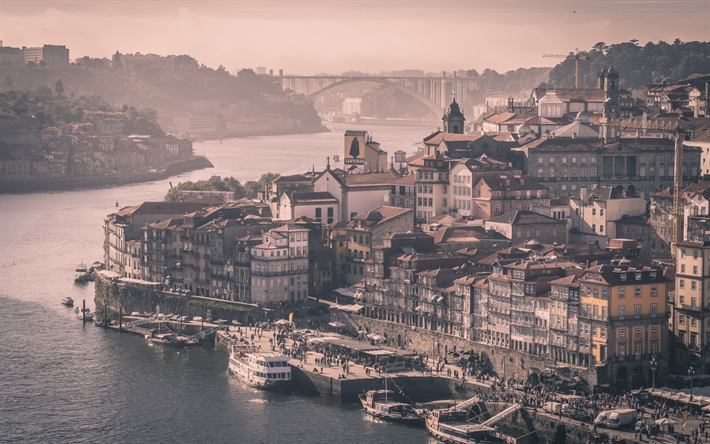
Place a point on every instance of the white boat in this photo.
(68, 301)
(263, 370)
(82, 273)
(84, 314)
(381, 404)
(452, 426)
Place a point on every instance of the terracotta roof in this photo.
(511, 182)
(405, 180)
(162, 208)
(382, 214)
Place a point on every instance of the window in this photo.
(637, 292)
(654, 330)
(622, 333)
(654, 310)
(682, 283)
(681, 320)
(654, 291)
(622, 293)
(637, 311)
(693, 285)
(637, 332)
(622, 312)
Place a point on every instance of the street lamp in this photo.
(654, 367)
(691, 373)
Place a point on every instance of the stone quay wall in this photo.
(503, 362)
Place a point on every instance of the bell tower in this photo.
(453, 119)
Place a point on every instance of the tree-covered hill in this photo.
(637, 65)
(46, 110)
(167, 90)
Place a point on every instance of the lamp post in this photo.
(654, 367)
(691, 373)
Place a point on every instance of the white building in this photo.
(279, 266)
(352, 105)
(595, 213)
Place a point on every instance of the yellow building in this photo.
(690, 329)
(623, 313)
(360, 150)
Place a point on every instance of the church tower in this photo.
(453, 119)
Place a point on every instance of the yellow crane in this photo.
(577, 57)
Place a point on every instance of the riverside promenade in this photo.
(345, 384)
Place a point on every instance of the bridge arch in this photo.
(433, 106)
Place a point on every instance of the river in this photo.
(64, 382)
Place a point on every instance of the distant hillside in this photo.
(637, 65)
(168, 91)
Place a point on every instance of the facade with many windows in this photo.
(279, 266)
(691, 324)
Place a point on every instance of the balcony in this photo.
(690, 307)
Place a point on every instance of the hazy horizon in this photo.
(310, 37)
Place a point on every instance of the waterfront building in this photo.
(403, 194)
(242, 265)
(279, 266)
(624, 311)
(335, 236)
(691, 324)
(567, 346)
(125, 225)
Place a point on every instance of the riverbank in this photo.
(285, 132)
(73, 183)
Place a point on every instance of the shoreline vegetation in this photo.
(73, 183)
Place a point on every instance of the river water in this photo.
(64, 382)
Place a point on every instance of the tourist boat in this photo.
(451, 426)
(381, 404)
(84, 313)
(68, 301)
(167, 339)
(82, 273)
(262, 370)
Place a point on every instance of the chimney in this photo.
(583, 194)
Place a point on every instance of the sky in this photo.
(333, 36)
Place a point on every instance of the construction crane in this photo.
(577, 57)
(676, 129)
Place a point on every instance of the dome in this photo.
(532, 243)
(550, 97)
(453, 109)
(582, 117)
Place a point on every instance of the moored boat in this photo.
(84, 313)
(82, 273)
(167, 339)
(452, 426)
(381, 404)
(262, 370)
(68, 301)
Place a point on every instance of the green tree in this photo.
(59, 87)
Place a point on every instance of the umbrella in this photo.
(281, 322)
(665, 421)
(235, 322)
(336, 324)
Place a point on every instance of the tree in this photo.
(59, 87)
(8, 82)
(116, 63)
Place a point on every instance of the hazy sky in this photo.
(310, 37)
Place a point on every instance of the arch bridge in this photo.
(434, 92)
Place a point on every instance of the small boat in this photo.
(82, 273)
(68, 301)
(85, 313)
(381, 404)
(262, 370)
(167, 339)
(452, 426)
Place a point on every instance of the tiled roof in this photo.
(382, 214)
(313, 197)
(524, 217)
(162, 208)
(512, 182)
